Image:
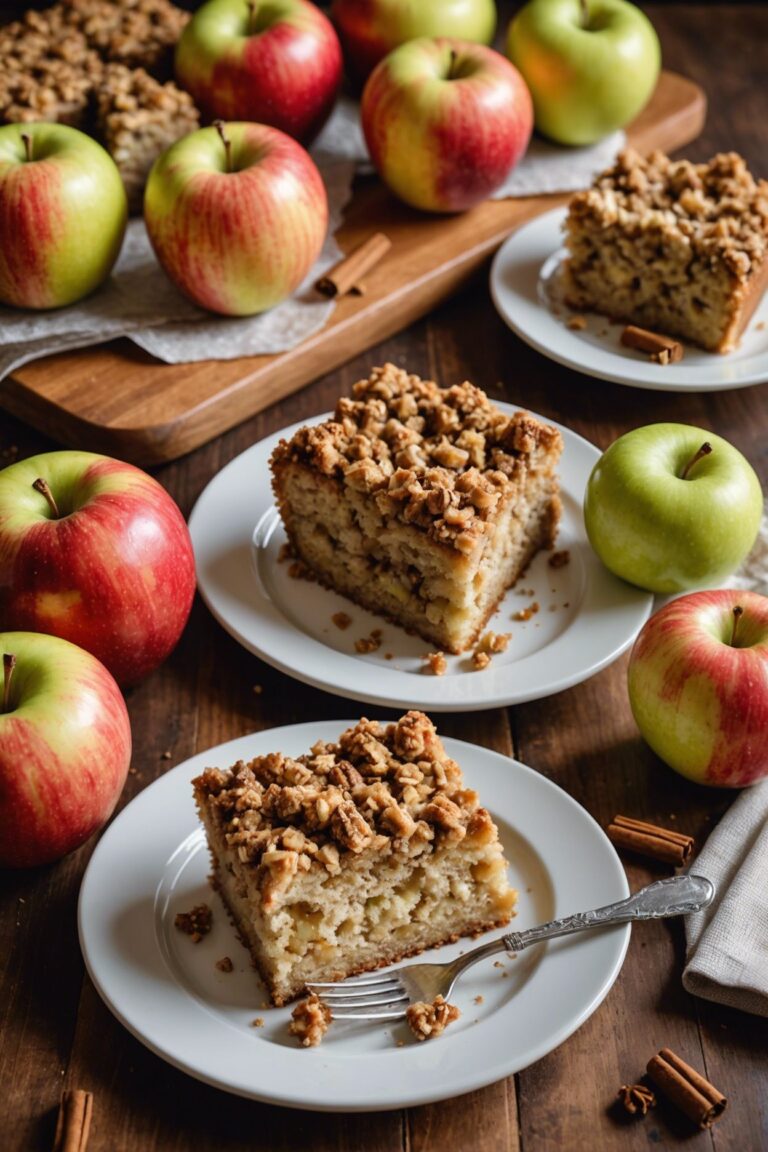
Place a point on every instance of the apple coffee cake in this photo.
(676, 247)
(352, 856)
(421, 503)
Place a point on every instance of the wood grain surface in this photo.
(54, 1030)
(115, 398)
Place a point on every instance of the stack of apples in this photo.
(96, 584)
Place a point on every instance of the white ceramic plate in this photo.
(152, 863)
(524, 286)
(586, 617)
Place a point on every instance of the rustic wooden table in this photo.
(55, 1030)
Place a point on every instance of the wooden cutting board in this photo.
(116, 399)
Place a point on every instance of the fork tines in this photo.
(366, 998)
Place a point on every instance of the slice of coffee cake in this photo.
(421, 503)
(673, 246)
(352, 856)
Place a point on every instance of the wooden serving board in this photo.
(114, 398)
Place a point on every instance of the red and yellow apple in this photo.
(237, 215)
(63, 212)
(445, 122)
(698, 686)
(275, 62)
(370, 29)
(94, 551)
(65, 747)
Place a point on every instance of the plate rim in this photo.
(494, 1072)
(652, 382)
(348, 687)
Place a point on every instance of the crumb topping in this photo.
(386, 789)
(310, 1020)
(196, 923)
(436, 663)
(559, 559)
(717, 210)
(428, 1020)
(225, 964)
(440, 458)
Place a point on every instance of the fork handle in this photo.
(674, 896)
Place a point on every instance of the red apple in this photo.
(445, 122)
(698, 686)
(275, 62)
(370, 29)
(65, 748)
(94, 551)
(237, 215)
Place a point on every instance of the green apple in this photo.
(63, 212)
(671, 507)
(591, 65)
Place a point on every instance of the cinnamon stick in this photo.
(686, 1088)
(662, 349)
(649, 840)
(74, 1121)
(347, 275)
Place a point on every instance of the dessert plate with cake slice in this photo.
(527, 289)
(390, 849)
(437, 559)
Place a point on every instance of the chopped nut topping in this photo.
(494, 642)
(428, 1020)
(480, 660)
(436, 663)
(310, 1020)
(196, 923)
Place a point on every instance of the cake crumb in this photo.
(165, 755)
(400, 1044)
(429, 1020)
(761, 326)
(478, 999)
(285, 553)
(435, 663)
(225, 964)
(560, 558)
(370, 643)
(196, 923)
(480, 660)
(257, 689)
(498, 964)
(258, 1022)
(494, 642)
(389, 656)
(576, 323)
(341, 620)
(526, 613)
(310, 1020)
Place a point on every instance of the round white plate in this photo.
(524, 287)
(586, 616)
(152, 862)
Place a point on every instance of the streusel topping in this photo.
(441, 458)
(390, 789)
(718, 210)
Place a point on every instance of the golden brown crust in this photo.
(442, 459)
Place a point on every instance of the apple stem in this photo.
(738, 612)
(43, 488)
(27, 145)
(252, 9)
(705, 450)
(585, 13)
(9, 663)
(220, 127)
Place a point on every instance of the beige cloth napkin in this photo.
(727, 956)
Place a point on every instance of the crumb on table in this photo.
(560, 558)
(225, 964)
(428, 1020)
(310, 1020)
(196, 923)
(342, 620)
(435, 663)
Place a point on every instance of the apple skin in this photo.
(664, 533)
(114, 574)
(286, 72)
(445, 122)
(701, 703)
(585, 81)
(236, 242)
(65, 749)
(370, 29)
(62, 215)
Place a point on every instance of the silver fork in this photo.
(386, 996)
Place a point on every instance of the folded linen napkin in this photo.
(727, 955)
